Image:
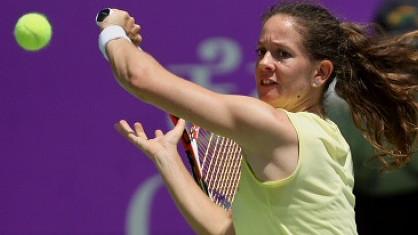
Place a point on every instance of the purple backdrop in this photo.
(64, 169)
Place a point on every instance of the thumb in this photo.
(178, 130)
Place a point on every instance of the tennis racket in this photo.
(215, 162)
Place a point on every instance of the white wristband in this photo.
(108, 34)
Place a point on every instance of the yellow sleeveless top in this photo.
(316, 199)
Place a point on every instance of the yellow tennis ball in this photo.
(33, 31)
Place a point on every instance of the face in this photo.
(285, 73)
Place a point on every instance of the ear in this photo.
(323, 73)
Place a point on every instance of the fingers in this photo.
(138, 136)
(132, 29)
(129, 26)
(136, 40)
(160, 146)
(159, 133)
(181, 124)
(134, 34)
(177, 131)
(140, 130)
(136, 28)
(124, 129)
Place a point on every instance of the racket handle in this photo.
(174, 119)
(189, 152)
(102, 14)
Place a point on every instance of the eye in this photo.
(260, 52)
(282, 54)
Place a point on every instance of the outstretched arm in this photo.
(237, 117)
(203, 215)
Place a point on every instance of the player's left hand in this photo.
(162, 146)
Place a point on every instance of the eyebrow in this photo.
(277, 43)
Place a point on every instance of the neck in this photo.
(317, 109)
(311, 104)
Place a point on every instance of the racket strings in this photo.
(220, 160)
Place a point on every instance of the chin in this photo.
(269, 98)
(272, 102)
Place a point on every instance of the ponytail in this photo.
(378, 78)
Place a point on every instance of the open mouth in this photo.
(267, 82)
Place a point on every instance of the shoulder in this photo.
(314, 131)
(308, 122)
(256, 125)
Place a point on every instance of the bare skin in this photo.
(190, 199)
(286, 79)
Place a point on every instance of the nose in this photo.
(266, 62)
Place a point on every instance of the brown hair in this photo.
(376, 76)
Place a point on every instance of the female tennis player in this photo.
(297, 173)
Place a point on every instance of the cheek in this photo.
(297, 83)
(301, 75)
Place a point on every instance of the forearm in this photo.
(227, 115)
(203, 215)
(124, 57)
(142, 76)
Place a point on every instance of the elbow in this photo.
(227, 228)
(141, 70)
(134, 79)
(230, 230)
